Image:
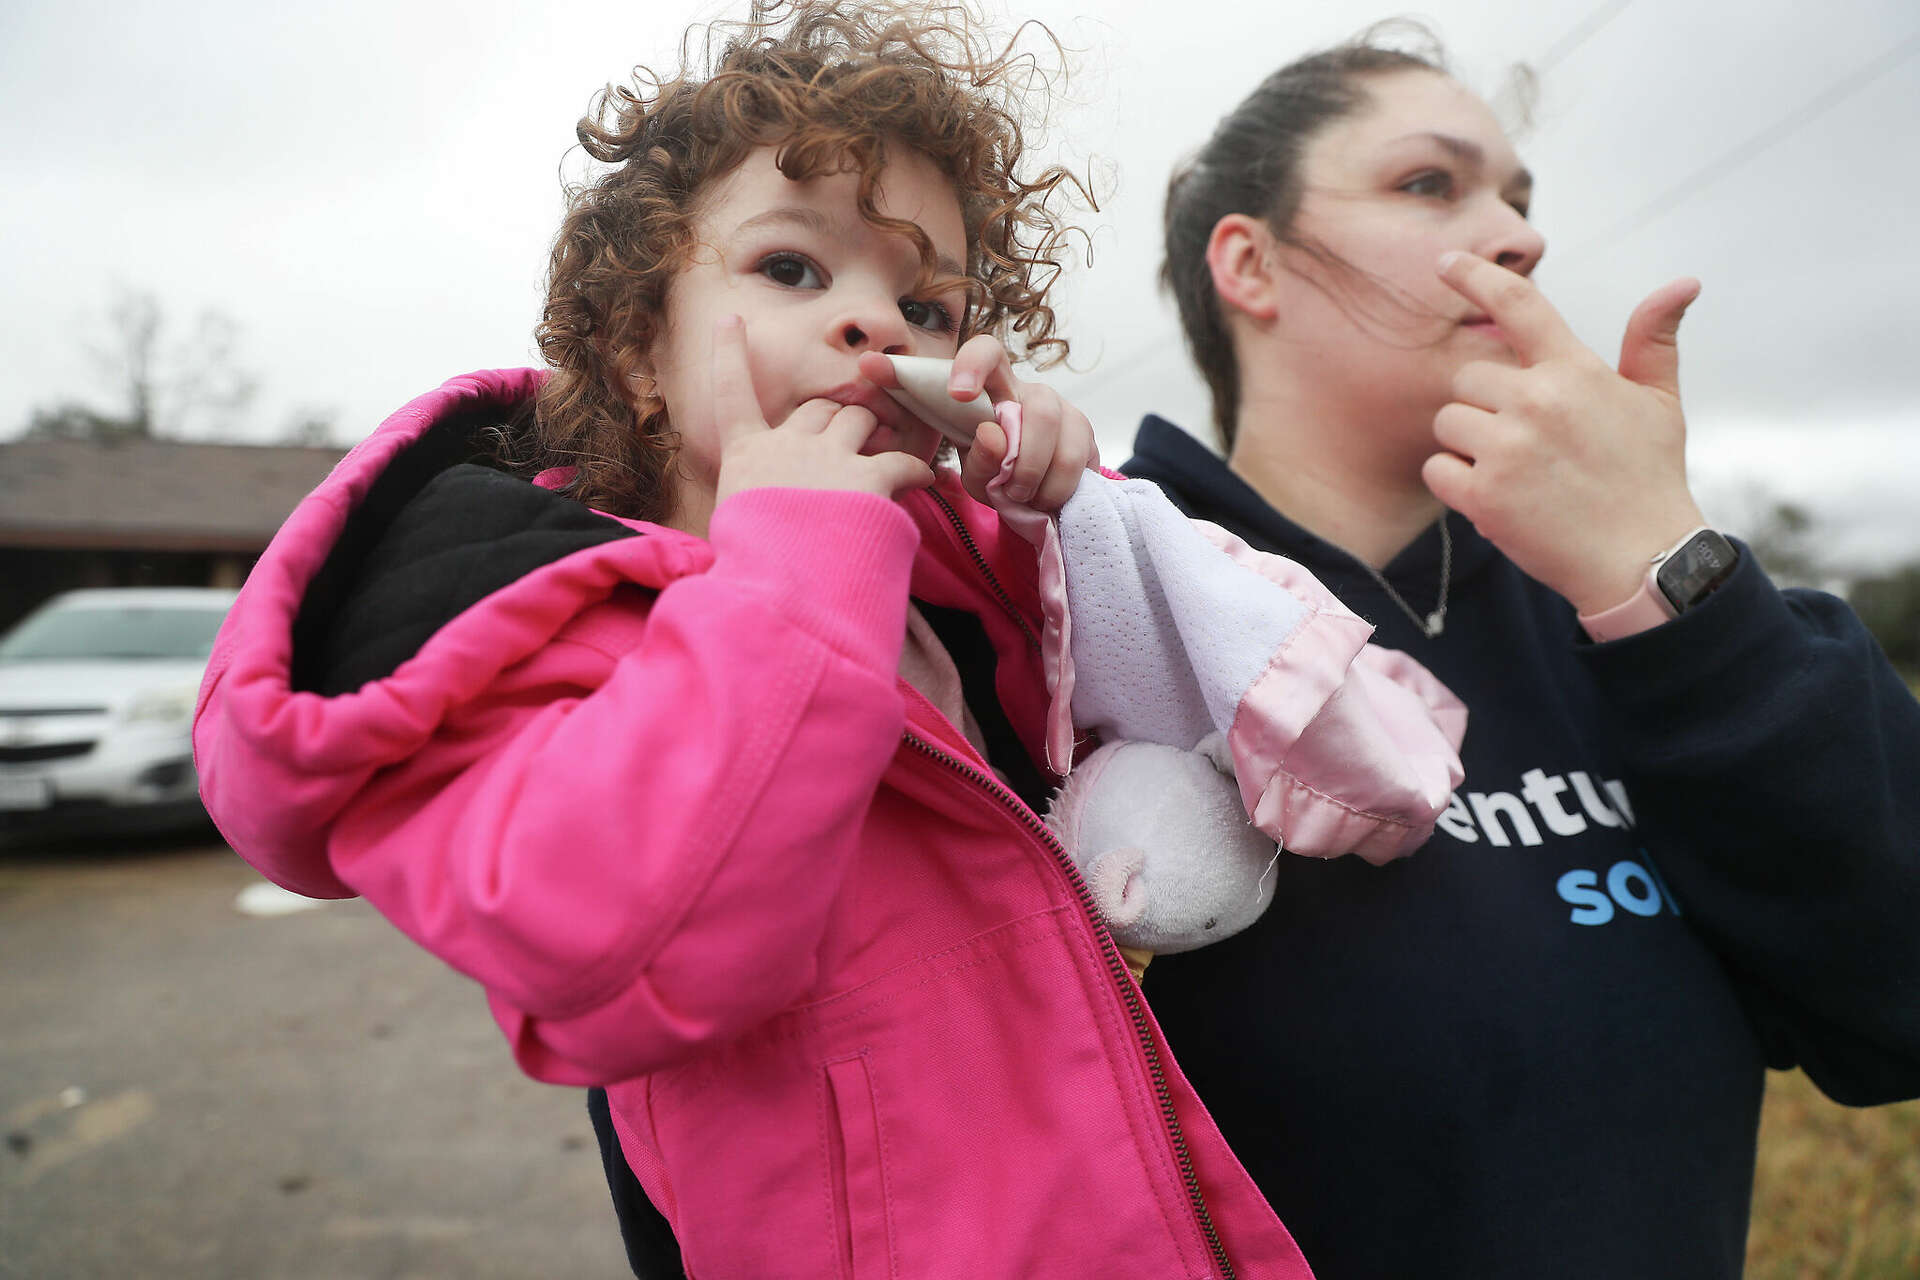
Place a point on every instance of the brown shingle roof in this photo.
(169, 494)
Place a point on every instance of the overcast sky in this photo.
(368, 190)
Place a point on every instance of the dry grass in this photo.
(1837, 1192)
(1837, 1195)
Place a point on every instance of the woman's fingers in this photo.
(1532, 327)
(1464, 429)
(1650, 351)
(1486, 385)
(1449, 477)
(1575, 470)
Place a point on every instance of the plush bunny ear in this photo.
(1214, 747)
(923, 390)
(1114, 880)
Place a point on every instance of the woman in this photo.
(1686, 848)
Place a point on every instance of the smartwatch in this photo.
(1678, 579)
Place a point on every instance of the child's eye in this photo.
(1436, 183)
(791, 271)
(932, 316)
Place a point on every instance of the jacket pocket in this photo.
(856, 1170)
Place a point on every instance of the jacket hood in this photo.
(303, 701)
(403, 586)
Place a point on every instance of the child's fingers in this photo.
(736, 407)
(877, 369)
(981, 364)
(981, 462)
(901, 471)
(812, 417)
(850, 425)
(1076, 452)
(1042, 414)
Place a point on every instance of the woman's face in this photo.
(1422, 169)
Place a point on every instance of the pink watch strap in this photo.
(1644, 610)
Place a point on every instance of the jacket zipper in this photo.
(1122, 980)
(980, 561)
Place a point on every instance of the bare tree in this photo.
(71, 420)
(308, 426)
(1889, 604)
(1783, 534)
(1785, 541)
(190, 386)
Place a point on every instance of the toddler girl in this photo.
(713, 754)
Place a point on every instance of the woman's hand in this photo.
(1056, 440)
(1575, 470)
(817, 447)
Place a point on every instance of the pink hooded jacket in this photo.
(667, 800)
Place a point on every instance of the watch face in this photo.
(1692, 573)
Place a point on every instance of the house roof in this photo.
(170, 495)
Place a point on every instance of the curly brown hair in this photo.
(831, 84)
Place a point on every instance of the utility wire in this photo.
(1579, 35)
(1136, 358)
(1836, 93)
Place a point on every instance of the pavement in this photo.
(196, 1082)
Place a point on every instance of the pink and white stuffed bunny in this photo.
(1238, 702)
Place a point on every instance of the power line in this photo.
(1836, 93)
(1134, 359)
(1580, 34)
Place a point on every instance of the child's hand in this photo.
(1056, 440)
(817, 447)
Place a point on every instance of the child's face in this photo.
(817, 285)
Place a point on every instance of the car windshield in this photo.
(121, 631)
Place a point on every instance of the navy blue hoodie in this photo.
(1536, 1048)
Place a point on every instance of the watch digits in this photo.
(1678, 579)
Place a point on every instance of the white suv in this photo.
(96, 703)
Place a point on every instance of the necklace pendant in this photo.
(1436, 623)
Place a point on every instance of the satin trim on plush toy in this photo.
(1338, 747)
